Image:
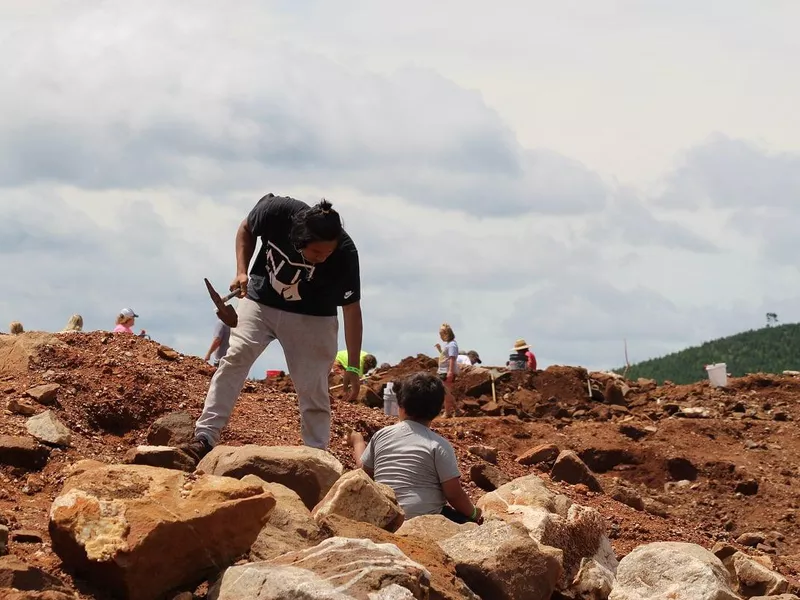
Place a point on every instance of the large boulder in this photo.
(444, 581)
(552, 520)
(356, 496)
(502, 562)
(337, 569)
(673, 570)
(308, 471)
(434, 527)
(140, 531)
(289, 527)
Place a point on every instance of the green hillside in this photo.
(767, 350)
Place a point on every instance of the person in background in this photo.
(15, 328)
(368, 362)
(521, 357)
(125, 322)
(418, 464)
(390, 406)
(219, 344)
(448, 366)
(468, 359)
(75, 323)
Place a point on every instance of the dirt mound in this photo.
(119, 383)
(708, 464)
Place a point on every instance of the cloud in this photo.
(136, 139)
(733, 173)
(261, 102)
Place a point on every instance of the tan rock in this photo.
(501, 561)
(290, 526)
(308, 471)
(19, 575)
(552, 520)
(434, 527)
(593, 581)
(445, 583)
(545, 454)
(337, 569)
(117, 524)
(22, 452)
(571, 469)
(44, 394)
(672, 570)
(47, 428)
(166, 457)
(358, 497)
(18, 406)
(754, 579)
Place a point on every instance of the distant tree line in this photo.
(773, 349)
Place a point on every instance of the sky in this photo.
(586, 174)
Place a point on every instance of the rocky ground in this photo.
(668, 463)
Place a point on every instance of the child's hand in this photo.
(354, 437)
(438, 347)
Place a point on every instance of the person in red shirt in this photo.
(521, 357)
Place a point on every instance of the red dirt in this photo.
(115, 386)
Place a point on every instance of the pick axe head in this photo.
(225, 312)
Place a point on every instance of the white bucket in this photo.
(718, 374)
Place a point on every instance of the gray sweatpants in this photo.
(309, 344)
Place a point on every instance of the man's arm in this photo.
(353, 333)
(245, 248)
(214, 345)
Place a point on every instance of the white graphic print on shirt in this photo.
(285, 275)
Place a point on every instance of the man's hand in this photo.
(240, 283)
(451, 377)
(352, 386)
(207, 357)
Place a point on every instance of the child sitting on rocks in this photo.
(418, 464)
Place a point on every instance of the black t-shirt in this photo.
(281, 278)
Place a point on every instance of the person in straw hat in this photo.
(521, 357)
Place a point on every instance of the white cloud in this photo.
(135, 139)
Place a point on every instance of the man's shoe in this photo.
(197, 449)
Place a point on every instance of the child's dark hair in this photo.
(318, 223)
(420, 395)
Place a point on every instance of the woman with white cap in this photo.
(521, 357)
(125, 321)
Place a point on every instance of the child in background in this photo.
(418, 464)
(125, 322)
(448, 366)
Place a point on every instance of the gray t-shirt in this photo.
(413, 461)
(223, 332)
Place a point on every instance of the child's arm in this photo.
(356, 441)
(458, 499)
